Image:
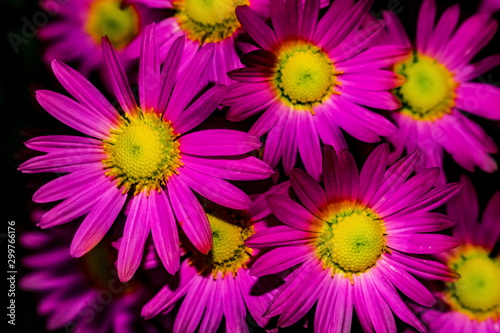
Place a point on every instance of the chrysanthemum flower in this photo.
(74, 35)
(147, 154)
(356, 242)
(80, 295)
(440, 84)
(204, 22)
(472, 304)
(219, 284)
(311, 77)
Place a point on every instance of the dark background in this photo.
(23, 72)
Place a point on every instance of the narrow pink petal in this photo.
(245, 168)
(308, 145)
(218, 142)
(255, 26)
(257, 294)
(293, 214)
(72, 113)
(405, 282)
(52, 143)
(97, 223)
(463, 208)
(190, 214)
(309, 19)
(372, 173)
(190, 82)
(213, 313)
(424, 268)
(280, 235)
(421, 243)
(135, 232)
(330, 162)
(169, 72)
(310, 193)
(260, 209)
(490, 226)
(380, 313)
(267, 120)
(376, 80)
(425, 24)
(149, 69)
(280, 20)
(301, 301)
(67, 185)
(444, 29)
(360, 305)
(164, 231)
(185, 279)
(432, 199)
(200, 110)
(193, 305)
(347, 176)
(280, 259)
(85, 92)
(391, 296)
(396, 29)
(335, 306)
(215, 189)
(328, 129)
(480, 99)
(472, 71)
(274, 141)
(296, 281)
(407, 192)
(118, 78)
(65, 160)
(419, 222)
(76, 205)
(233, 306)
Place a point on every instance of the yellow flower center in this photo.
(477, 293)
(429, 92)
(142, 152)
(351, 241)
(305, 75)
(208, 21)
(229, 253)
(113, 19)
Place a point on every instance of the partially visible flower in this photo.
(312, 77)
(219, 284)
(472, 304)
(74, 34)
(440, 84)
(203, 22)
(83, 294)
(356, 242)
(146, 153)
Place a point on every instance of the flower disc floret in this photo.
(351, 241)
(110, 18)
(229, 253)
(143, 152)
(477, 292)
(305, 76)
(429, 92)
(208, 21)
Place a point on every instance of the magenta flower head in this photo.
(355, 242)
(83, 294)
(472, 304)
(439, 86)
(74, 34)
(203, 22)
(146, 154)
(219, 284)
(311, 77)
